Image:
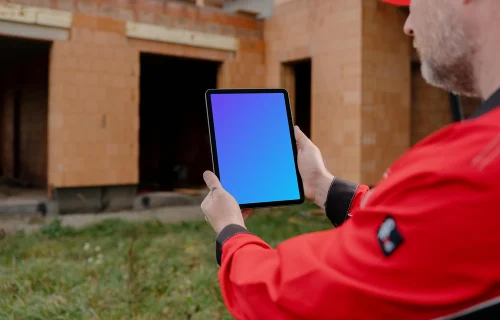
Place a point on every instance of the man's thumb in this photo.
(300, 137)
(211, 180)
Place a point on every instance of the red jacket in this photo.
(424, 243)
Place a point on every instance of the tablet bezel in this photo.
(213, 143)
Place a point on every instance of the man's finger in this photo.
(211, 180)
(300, 137)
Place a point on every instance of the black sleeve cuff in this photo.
(339, 199)
(224, 235)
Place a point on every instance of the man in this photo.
(425, 242)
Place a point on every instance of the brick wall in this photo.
(360, 79)
(328, 32)
(28, 78)
(430, 110)
(93, 122)
(161, 12)
(386, 89)
(247, 69)
(94, 83)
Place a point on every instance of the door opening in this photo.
(174, 139)
(24, 81)
(297, 78)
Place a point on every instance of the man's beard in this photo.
(448, 63)
(455, 75)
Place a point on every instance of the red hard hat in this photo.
(398, 2)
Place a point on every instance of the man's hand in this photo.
(220, 208)
(315, 177)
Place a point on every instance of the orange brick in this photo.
(82, 35)
(244, 22)
(66, 5)
(221, 18)
(174, 9)
(81, 20)
(111, 25)
(150, 5)
(127, 4)
(149, 17)
(87, 6)
(206, 15)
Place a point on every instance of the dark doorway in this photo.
(302, 71)
(24, 88)
(174, 139)
(300, 74)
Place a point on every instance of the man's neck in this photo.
(489, 78)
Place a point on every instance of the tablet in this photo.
(254, 152)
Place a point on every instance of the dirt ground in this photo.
(13, 222)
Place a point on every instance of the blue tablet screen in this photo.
(254, 147)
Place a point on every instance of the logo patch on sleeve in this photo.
(389, 236)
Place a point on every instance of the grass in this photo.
(121, 270)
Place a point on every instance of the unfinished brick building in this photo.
(86, 85)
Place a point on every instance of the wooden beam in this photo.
(33, 15)
(54, 18)
(178, 36)
(32, 31)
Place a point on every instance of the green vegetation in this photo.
(122, 270)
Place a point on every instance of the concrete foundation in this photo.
(85, 200)
(29, 207)
(94, 199)
(15, 222)
(166, 199)
(117, 198)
